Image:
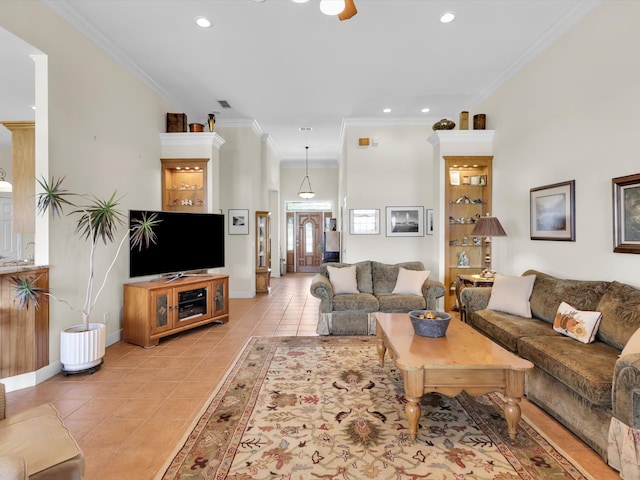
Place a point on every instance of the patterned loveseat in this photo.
(350, 313)
(588, 387)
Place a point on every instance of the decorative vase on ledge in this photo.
(444, 124)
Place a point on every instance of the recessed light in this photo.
(387, 110)
(299, 1)
(425, 110)
(447, 17)
(202, 22)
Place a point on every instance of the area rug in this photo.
(299, 408)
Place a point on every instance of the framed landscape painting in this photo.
(626, 214)
(553, 212)
(405, 221)
(238, 222)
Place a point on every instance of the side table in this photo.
(469, 281)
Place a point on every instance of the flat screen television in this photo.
(184, 242)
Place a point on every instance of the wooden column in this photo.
(23, 154)
(24, 334)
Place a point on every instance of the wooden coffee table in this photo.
(464, 359)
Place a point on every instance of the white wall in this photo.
(571, 114)
(99, 143)
(398, 171)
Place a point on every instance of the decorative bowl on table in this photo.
(429, 323)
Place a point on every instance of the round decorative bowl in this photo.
(430, 327)
(444, 124)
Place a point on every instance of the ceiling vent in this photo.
(305, 129)
(224, 104)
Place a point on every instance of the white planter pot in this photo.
(82, 349)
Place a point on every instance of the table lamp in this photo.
(488, 226)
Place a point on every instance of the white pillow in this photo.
(343, 280)
(511, 294)
(633, 344)
(577, 324)
(409, 282)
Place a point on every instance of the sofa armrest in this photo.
(321, 287)
(431, 291)
(475, 298)
(625, 394)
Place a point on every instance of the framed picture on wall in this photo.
(552, 212)
(405, 221)
(238, 221)
(364, 221)
(429, 221)
(626, 214)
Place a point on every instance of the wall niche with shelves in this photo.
(184, 184)
(467, 198)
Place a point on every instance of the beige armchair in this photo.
(35, 444)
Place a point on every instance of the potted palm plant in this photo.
(82, 347)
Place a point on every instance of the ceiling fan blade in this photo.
(349, 10)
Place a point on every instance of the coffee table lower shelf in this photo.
(463, 360)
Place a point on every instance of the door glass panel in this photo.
(290, 234)
(308, 237)
(162, 311)
(220, 297)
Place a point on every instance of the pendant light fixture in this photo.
(305, 191)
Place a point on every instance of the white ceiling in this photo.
(286, 65)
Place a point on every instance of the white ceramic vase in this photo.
(82, 349)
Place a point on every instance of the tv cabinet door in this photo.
(220, 297)
(161, 310)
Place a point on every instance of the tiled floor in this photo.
(131, 414)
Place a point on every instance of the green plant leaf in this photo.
(99, 219)
(53, 197)
(142, 231)
(26, 291)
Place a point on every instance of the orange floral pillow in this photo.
(577, 324)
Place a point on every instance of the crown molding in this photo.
(461, 136)
(180, 139)
(61, 8)
(572, 17)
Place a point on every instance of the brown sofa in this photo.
(350, 314)
(586, 387)
(36, 444)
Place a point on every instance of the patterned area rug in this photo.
(299, 408)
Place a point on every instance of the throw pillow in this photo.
(512, 294)
(343, 280)
(633, 344)
(410, 282)
(578, 324)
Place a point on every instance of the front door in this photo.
(309, 241)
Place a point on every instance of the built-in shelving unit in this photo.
(467, 196)
(184, 184)
(263, 251)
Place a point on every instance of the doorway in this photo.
(305, 240)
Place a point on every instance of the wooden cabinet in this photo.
(155, 309)
(263, 251)
(24, 333)
(467, 198)
(184, 184)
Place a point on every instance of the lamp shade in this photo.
(488, 227)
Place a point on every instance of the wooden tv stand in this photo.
(158, 308)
